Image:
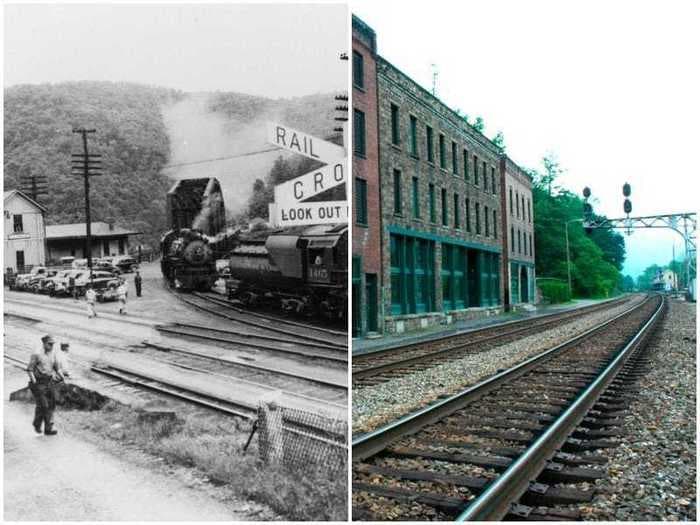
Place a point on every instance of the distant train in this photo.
(302, 269)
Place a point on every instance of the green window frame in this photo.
(358, 135)
(486, 221)
(398, 202)
(360, 201)
(483, 176)
(476, 170)
(477, 216)
(441, 148)
(416, 198)
(467, 217)
(495, 227)
(413, 133)
(431, 202)
(444, 206)
(412, 269)
(358, 70)
(395, 130)
(493, 180)
(456, 200)
(465, 162)
(455, 165)
(429, 146)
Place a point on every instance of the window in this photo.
(529, 212)
(412, 285)
(512, 240)
(495, 222)
(358, 70)
(455, 168)
(486, 221)
(431, 201)
(358, 136)
(19, 260)
(429, 144)
(476, 171)
(416, 199)
(467, 220)
(531, 245)
(465, 155)
(444, 206)
(477, 216)
(413, 131)
(517, 205)
(493, 180)
(121, 246)
(105, 247)
(483, 175)
(18, 223)
(454, 277)
(443, 159)
(456, 210)
(522, 200)
(360, 201)
(395, 134)
(398, 205)
(520, 248)
(510, 191)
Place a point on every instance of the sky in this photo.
(612, 88)
(269, 50)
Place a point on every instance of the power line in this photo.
(250, 153)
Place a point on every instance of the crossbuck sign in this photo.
(289, 208)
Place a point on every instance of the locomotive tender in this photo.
(302, 269)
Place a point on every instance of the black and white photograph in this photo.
(175, 262)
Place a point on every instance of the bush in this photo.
(554, 291)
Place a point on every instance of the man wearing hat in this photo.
(43, 369)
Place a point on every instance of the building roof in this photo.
(78, 230)
(10, 193)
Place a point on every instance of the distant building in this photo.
(670, 280)
(25, 232)
(64, 240)
(518, 235)
(366, 230)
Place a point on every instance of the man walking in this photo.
(43, 369)
(63, 359)
(121, 295)
(137, 283)
(91, 297)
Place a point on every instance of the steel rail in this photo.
(548, 319)
(371, 443)
(495, 501)
(253, 323)
(275, 319)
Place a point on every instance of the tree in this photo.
(479, 124)
(628, 283)
(499, 141)
(552, 171)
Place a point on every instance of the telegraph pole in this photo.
(86, 165)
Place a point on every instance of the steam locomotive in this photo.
(302, 269)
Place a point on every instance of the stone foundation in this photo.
(415, 322)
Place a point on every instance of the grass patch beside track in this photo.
(213, 444)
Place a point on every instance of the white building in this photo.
(25, 231)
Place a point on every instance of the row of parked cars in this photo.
(72, 279)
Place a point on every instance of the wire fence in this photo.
(301, 439)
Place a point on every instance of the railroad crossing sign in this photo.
(299, 142)
(310, 184)
(289, 208)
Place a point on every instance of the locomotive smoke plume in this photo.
(198, 134)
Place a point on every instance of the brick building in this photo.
(519, 243)
(430, 217)
(366, 233)
(441, 210)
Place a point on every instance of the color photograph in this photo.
(524, 261)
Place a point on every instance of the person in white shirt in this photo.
(63, 359)
(91, 297)
(121, 295)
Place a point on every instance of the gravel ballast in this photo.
(652, 473)
(376, 405)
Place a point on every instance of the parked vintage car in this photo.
(22, 280)
(126, 263)
(37, 284)
(106, 289)
(107, 266)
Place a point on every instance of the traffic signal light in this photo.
(627, 191)
(587, 211)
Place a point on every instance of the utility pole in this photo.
(86, 165)
(34, 185)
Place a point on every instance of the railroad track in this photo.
(210, 303)
(513, 446)
(286, 345)
(378, 367)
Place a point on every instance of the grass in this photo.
(214, 445)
